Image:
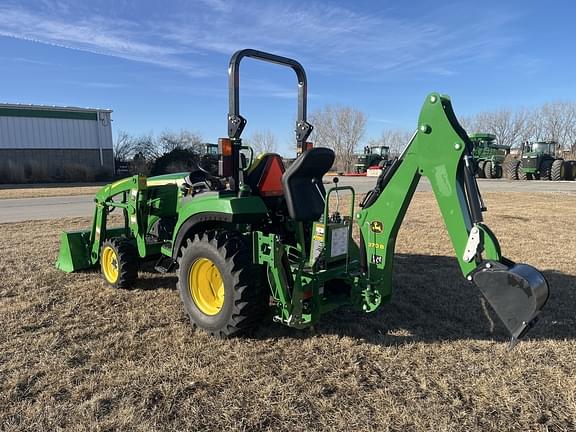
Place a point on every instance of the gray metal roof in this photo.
(53, 108)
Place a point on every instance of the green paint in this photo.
(306, 280)
(40, 113)
(435, 152)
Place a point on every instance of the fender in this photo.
(212, 218)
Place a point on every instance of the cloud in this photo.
(98, 35)
(333, 39)
(327, 38)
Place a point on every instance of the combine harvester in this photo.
(255, 235)
(488, 156)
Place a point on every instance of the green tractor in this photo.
(488, 155)
(539, 161)
(373, 156)
(255, 240)
(209, 157)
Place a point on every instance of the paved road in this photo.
(17, 210)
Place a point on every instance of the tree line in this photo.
(151, 147)
(551, 121)
(342, 128)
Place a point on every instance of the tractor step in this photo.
(164, 264)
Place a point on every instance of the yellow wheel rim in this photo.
(109, 261)
(206, 286)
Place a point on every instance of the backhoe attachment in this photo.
(441, 150)
(516, 292)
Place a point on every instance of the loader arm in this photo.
(441, 151)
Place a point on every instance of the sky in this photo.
(163, 65)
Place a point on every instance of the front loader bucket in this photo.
(74, 251)
(516, 292)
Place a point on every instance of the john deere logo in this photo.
(376, 226)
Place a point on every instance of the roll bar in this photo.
(236, 122)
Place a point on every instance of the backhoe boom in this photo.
(441, 151)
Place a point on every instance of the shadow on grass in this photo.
(155, 282)
(432, 302)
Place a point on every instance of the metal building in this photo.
(53, 139)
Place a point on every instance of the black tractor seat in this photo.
(302, 184)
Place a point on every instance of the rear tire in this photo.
(558, 170)
(512, 169)
(488, 169)
(220, 287)
(546, 170)
(119, 262)
(570, 167)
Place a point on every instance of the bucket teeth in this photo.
(516, 292)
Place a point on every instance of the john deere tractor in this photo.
(539, 161)
(373, 156)
(488, 155)
(254, 239)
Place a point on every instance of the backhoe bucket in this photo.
(516, 292)
(74, 251)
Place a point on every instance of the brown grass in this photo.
(37, 192)
(77, 355)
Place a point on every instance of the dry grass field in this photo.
(43, 191)
(77, 355)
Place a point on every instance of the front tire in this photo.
(119, 262)
(497, 171)
(480, 169)
(488, 169)
(219, 286)
(522, 175)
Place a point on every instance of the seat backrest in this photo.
(264, 175)
(302, 184)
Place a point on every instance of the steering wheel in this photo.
(213, 182)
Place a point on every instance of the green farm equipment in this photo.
(256, 238)
(373, 156)
(539, 161)
(209, 157)
(488, 156)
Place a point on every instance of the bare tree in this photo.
(555, 121)
(263, 141)
(509, 127)
(147, 146)
(558, 122)
(184, 139)
(123, 146)
(340, 128)
(127, 146)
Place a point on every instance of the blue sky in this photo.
(163, 65)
